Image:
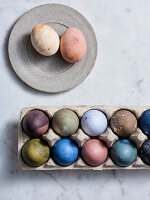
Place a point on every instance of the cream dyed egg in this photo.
(73, 46)
(45, 40)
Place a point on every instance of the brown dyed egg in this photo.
(45, 40)
(73, 45)
(94, 152)
(35, 123)
(123, 123)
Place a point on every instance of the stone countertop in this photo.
(121, 76)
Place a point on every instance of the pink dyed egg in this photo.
(73, 46)
(94, 152)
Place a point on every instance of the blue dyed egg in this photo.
(64, 152)
(123, 153)
(94, 122)
(145, 122)
(145, 152)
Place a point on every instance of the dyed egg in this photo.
(145, 152)
(65, 122)
(73, 45)
(123, 153)
(94, 152)
(35, 152)
(64, 152)
(35, 123)
(145, 122)
(45, 40)
(123, 123)
(94, 122)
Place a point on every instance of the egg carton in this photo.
(108, 137)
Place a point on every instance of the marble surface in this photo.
(120, 76)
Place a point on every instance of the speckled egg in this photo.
(35, 152)
(94, 152)
(144, 122)
(94, 122)
(64, 152)
(145, 152)
(123, 123)
(45, 40)
(65, 122)
(35, 123)
(73, 45)
(123, 153)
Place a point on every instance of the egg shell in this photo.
(94, 122)
(94, 152)
(73, 46)
(35, 152)
(35, 123)
(144, 122)
(123, 153)
(65, 122)
(64, 152)
(145, 152)
(123, 123)
(45, 40)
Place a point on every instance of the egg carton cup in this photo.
(108, 137)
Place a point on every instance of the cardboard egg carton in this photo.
(108, 137)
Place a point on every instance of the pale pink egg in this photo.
(73, 46)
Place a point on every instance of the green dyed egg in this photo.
(35, 152)
(65, 122)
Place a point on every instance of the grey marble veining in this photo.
(121, 76)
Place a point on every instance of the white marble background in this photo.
(121, 76)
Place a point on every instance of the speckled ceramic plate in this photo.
(50, 74)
